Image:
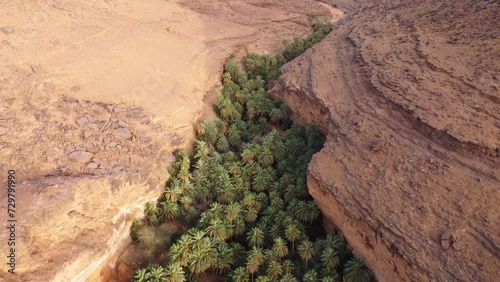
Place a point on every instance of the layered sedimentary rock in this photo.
(408, 95)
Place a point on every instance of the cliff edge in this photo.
(408, 95)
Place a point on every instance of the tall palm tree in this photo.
(330, 258)
(180, 252)
(252, 266)
(265, 158)
(239, 226)
(306, 250)
(274, 270)
(288, 278)
(311, 276)
(240, 274)
(356, 271)
(217, 230)
(202, 150)
(203, 258)
(280, 248)
(287, 266)
(276, 115)
(292, 234)
(173, 193)
(184, 174)
(224, 258)
(175, 273)
(226, 194)
(247, 155)
(251, 214)
(307, 211)
(222, 144)
(142, 275)
(217, 209)
(151, 212)
(157, 273)
(250, 200)
(263, 278)
(255, 237)
(169, 210)
(233, 211)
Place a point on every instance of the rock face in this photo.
(408, 95)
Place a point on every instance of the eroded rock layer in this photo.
(408, 94)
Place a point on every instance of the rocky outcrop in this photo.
(408, 95)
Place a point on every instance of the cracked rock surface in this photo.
(408, 95)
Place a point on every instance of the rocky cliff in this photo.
(408, 95)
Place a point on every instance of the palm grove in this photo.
(242, 197)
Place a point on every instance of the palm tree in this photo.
(252, 266)
(175, 273)
(251, 214)
(307, 211)
(151, 212)
(233, 135)
(239, 226)
(142, 275)
(285, 111)
(265, 158)
(292, 234)
(186, 201)
(180, 252)
(240, 274)
(203, 258)
(274, 270)
(222, 144)
(356, 271)
(217, 210)
(224, 258)
(260, 182)
(157, 272)
(250, 200)
(202, 150)
(233, 211)
(280, 248)
(226, 194)
(217, 230)
(333, 241)
(169, 210)
(255, 237)
(287, 266)
(184, 174)
(226, 77)
(311, 276)
(330, 258)
(190, 214)
(235, 168)
(306, 250)
(263, 278)
(173, 193)
(288, 278)
(257, 253)
(329, 275)
(276, 115)
(247, 155)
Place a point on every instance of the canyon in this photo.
(96, 96)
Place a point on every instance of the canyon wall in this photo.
(408, 95)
